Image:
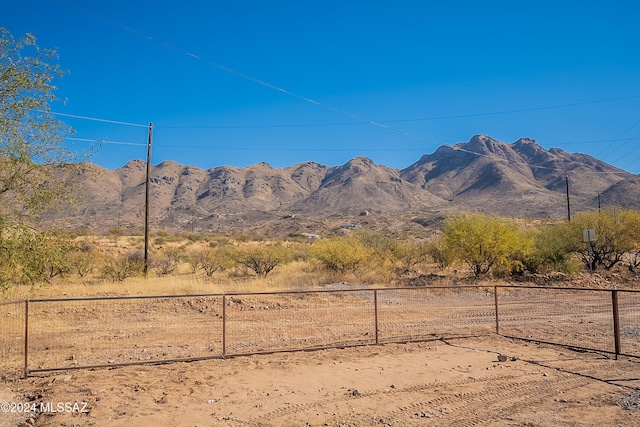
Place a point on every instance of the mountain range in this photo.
(519, 179)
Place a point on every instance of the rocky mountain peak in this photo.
(260, 166)
(516, 179)
(136, 164)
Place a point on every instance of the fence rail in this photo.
(43, 335)
(13, 337)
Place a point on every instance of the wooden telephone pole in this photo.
(568, 203)
(146, 203)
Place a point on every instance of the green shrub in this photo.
(617, 236)
(123, 266)
(439, 252)
(483, 241)
(342, 255)
(166, 261)
(410, 254)
(29, 256)
(264, 258)
(219, 258)
(84, 260)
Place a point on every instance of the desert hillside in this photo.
(519, 179)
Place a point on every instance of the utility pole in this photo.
(146, 203)
(598, 202)
(568, 203)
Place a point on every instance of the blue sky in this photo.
(329, 80)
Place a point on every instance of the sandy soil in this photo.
(461, 382)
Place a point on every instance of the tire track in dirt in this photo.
(623, 374)
(478, 408)
(490, 398)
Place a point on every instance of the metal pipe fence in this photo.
(257, 323)
(43, 335)
(593, 319)
(570, 317)
(629, 315)
(94, 332)
(412, 315)
(13, 317)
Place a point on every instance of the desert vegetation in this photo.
(469, 245)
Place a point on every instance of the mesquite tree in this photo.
(32, 152)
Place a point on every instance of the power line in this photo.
(105, 141)
(459, 116)
(617, 139)
(594, 141)
(501, 159)
(246, 76)
(626, 155)
(236, 148)
(96, 119)
(521, 110)
(289, 149)
(269, 126)
(273, 126)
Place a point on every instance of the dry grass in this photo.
(291, 276)
(295, 275)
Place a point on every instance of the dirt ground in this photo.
(484, 381)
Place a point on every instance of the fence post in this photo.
(616, 321)
(495, 298)
(26, 338)
(224, 325)
(375, 312)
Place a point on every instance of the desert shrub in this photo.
(263, 259)
(162, 237)
(483, 241)
(29, 256)
(342, 255)
(44, 258)
(299, 250)
(243, 238)
(410, 254)
(84, 260)
(617, 236)
(549, 252)
(166, 261)
(215, 241)
(66, 234)
(115, 233)
(123, 266)
(211, 260)
(520, 256)
(192, 236)
(381, 245)
(439, 252)
(78, 232)
(193, 260)
(136, 241)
